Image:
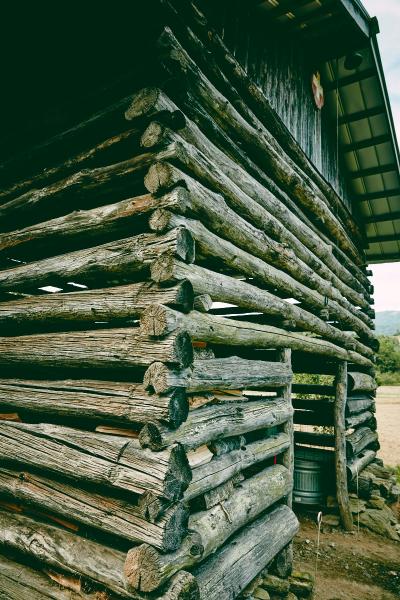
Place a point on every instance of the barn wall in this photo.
(282, 68)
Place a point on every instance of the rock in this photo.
(302, 584)
(261, 594)
(291, 596)
(379, 471)
(276, 585)
(307, 541)
(332, 544)
(395, 493)
(356, 505)
(379, 522)
(332, 520)
(331, 502)
(376, 502)
(393, 573)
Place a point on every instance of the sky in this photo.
(386, 278)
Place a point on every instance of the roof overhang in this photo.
(358, 102)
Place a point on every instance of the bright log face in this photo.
(109, 401)
(60, 548)
(104, 348)
(111, 515)
(95, 458)
(160, 320)
(223, 288)
(224, 467)
(147, 569)
(225, 574)
(121, 259)
(88, 306)
(218, 373)
(215, 422)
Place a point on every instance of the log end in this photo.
(160, 177)
(150, 437)
(179, 474)
(157, 321)
(176, 524)
(156, 378)
(162, 269)
(153, 135)
(142, 569)
(143, 103)
(183, 586)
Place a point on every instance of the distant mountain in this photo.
(387, 322)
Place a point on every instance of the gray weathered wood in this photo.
(82, 189)
(340, 447)
(88, 306)
(219, 373)
(88, 508)
(106, 460)
(354, 406)
(108, 262)
(215, 422)
(224, 467)
(358, 464)
(361, 382)
(209, 246)
(248, 224)
(258, 141)
(359, 440)
(147, 569)
(86, 227)
(53, 155)
(60, 548)
(223, 288)
(160, 320)
(95, 349)
(225, 574)
(363, 418)
(109, 401)
(215, 57)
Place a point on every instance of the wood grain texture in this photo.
(70, 309)
(216, 422)
(124, 348)
(217, 373)
(120, 259)
(147, 569)
(95, 458)
(225, 574)
(90, 508)
(340, 447)
(224, 467)
(224, 288)
(98, 401)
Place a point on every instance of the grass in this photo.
(389, 378)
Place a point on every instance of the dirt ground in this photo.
(388, 417)
(358, 566)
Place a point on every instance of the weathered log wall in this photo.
(146, 434)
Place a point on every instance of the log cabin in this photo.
(191, 194)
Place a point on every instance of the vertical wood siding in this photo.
(282, 68)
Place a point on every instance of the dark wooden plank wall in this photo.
(282, 68)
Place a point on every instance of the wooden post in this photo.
(283, 563)
(340, 446)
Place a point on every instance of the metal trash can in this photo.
(314, 476)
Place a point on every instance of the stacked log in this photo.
(146, 437)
